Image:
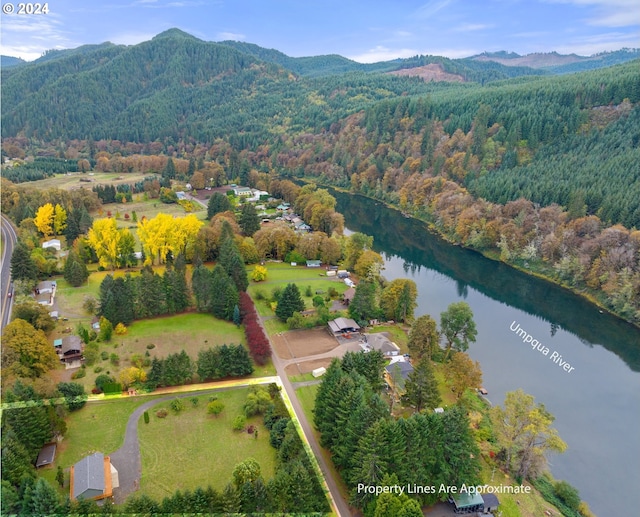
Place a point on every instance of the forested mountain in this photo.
(460, 155)
(8, 61)
(559, 63)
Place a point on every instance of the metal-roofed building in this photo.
(93, 477)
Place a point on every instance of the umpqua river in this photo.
(596, 403)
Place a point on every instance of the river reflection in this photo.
(596, 405)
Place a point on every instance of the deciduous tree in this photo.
(463, 373)
(457, 327)
(26, 352)
(423, 337)
(44, 219)
(398, 299)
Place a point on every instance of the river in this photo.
(596, 405)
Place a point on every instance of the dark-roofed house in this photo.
(341, 326)
(93, 477)
(396, 373)
(71, 349)
(46, 455)
(467, 503)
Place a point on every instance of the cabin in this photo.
(71, 349)
(342, 326)
(93, 477)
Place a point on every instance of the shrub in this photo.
(146, 417)
(97, 369)
(239, 422)
(259, 294)
(333, 292)
(177, 405)
(567, 493)
(120, 329)
(162, 413)
(102, 380)
(308, 291)
(115, 359)
(259, 274)
(150, 346)
(194, 401)
(215, 408)
(90, 304)
(104, 355)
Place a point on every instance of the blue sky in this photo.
(366, 31)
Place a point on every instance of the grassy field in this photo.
(192, 448)
(279, 275)
(72, 181)
(97, 427)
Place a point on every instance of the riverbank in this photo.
(530, 268)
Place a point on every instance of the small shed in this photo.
(313, 263)
(491, 502)
(46, 455)
(438, 410)
(57, 343)
(319, 372)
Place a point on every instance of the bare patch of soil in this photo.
(432, 72)
(307, 366)
(303, 343)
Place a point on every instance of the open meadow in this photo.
(73, 181)
(191, 448)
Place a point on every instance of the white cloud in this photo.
(468, 27)
(432, 7)
(595, 44)
(29, 36)
(380, 53)
(233, 36)
(608, 13)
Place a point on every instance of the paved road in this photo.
(339, 503)
(9, 239)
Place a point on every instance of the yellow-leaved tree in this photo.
(164, 233)
(104, 238)
(44, 219)
(26, 352)
(59, 219)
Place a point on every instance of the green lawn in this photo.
(67, 182)
(192, 448)
(279, 275)
(307, 397)
(97, 427)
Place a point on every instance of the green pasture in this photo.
(189, 449)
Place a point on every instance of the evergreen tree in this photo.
(249, 220)
(202, 289)
(75, 270)
(22, 265)
(44, 499)
(364, 305)
(218, 203)
(224, 295)
(231, 260)
(169, 171)
(423, 337)
(290, 301)
(421, 388)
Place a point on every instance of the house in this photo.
(283, 207)
(314, 263)
(241, 191)
(397, 372)
(53, 243)
(45, 292)
(93, 477)
(302, 227)
(46, 455)
(54, 315)
(256, 195)
(341, 326)
(380, 342)
(71, 349)
(467, 502)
